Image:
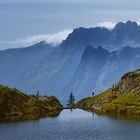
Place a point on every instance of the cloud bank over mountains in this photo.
(107, 24)
(53, 39)
(33, 17)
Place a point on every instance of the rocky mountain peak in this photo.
(129, 24)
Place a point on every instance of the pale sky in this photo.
(20, 19)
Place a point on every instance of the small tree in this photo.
(71, 101)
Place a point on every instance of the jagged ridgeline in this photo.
(77, 65)
(122, 98)
(15, 105)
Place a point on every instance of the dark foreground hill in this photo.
(122, 98)
(15, 105)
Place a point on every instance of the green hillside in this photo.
(122, 98)
(15, 105)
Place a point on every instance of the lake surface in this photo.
(75, 125)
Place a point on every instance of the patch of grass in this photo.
(126, 103)
(128, 99)
(98, 99)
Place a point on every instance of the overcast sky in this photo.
(22, 19)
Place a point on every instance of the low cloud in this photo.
(53, 39)
(107, 24)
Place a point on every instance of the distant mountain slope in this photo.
(39, 67)
(118, 63)
(122, 98)
(88, 71)
(99, 69)
(73, 65)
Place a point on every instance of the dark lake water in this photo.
(76, 125)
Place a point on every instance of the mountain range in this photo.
(90, 59)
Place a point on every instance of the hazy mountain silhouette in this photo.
(78, 64)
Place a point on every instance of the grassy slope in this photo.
(123, 98)
(19, 106)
